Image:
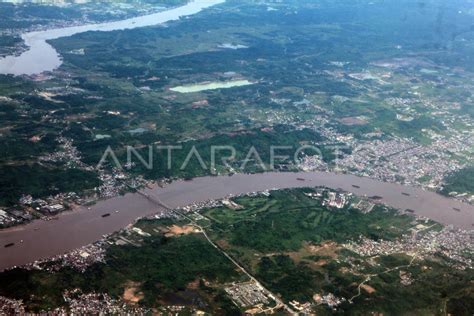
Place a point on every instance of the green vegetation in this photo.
(289, 241)
(292, 281)
(8, 43)
(287, 218)
(292, 244)
(41, 181)
(121, 82)
(437, 287)
(398, 68)
(25, 15)
(261, 141)
(162, 267)
(461, 181)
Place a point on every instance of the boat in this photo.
(409, 210)
(106, 215)
(456, 209)
(300, 179)
(376, 197)
(406, 194)
(9, 245)
(356, 186)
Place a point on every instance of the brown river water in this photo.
(71, 230)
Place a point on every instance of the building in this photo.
(54, 209)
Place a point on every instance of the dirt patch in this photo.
(80, 117)
(321, 262)
(353, 121)
(194, 285)
(131, 293)
(367, 288)
(224, 244)
(176, 230)
(327, 249)
(48, 96)
(344, 270)
(296, 256)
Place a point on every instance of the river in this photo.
(41, 56)
(42, 239)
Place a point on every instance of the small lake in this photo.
(211, 86)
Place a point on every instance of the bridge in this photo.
(155, 200)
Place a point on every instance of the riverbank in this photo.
(41, 56)
(43, 239)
